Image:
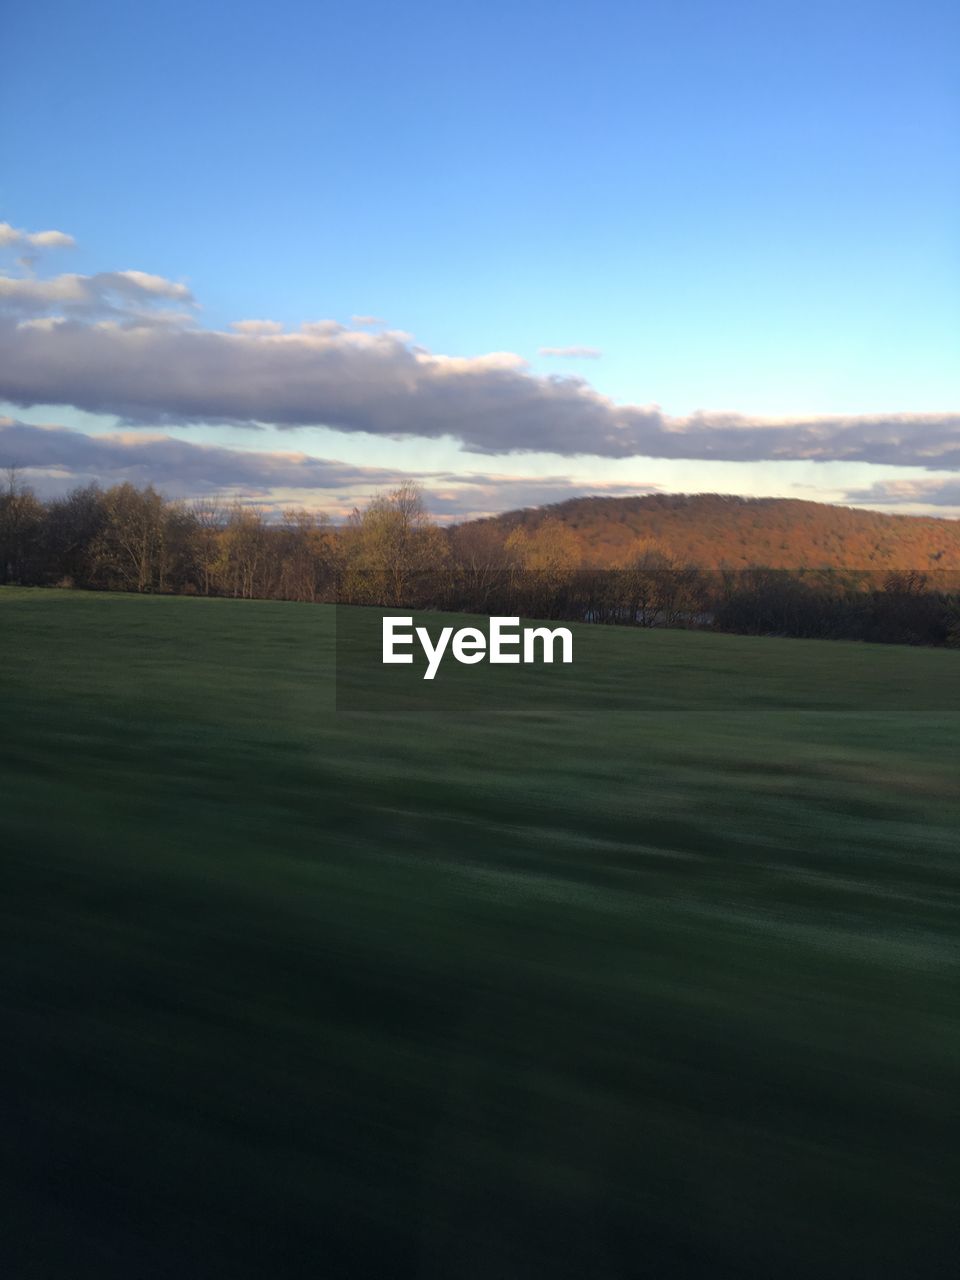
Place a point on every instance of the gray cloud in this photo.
(475, 495)
(109, 344)
(56, 458)
(908, 492)
(178, 466)
(571, 353)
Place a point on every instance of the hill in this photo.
(714, 531)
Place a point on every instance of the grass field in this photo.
(649, 969)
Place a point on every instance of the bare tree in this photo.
(209, 518)
(545, 562)
(390, 545)
(130, 547)
(482, 560)
(241, 564)
(21, 516)
(308, 556)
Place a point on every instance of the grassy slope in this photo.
(656, 977)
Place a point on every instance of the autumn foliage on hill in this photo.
(761, 567)
(712, 531)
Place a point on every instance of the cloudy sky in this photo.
(519, 252)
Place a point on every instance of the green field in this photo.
(648, 969)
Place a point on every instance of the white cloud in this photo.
(571, 353)
(108, 294)
(262, 327)
(13, 236)
(144, 282)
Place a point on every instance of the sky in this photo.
(299, 252)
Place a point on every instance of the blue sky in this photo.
(748, 208)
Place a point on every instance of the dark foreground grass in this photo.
(646, 970)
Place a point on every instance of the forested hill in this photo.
(715, 531)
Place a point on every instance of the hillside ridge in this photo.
(712, 530)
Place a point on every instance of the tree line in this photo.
(125, 538)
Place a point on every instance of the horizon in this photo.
(278, 514)
(514, 257)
